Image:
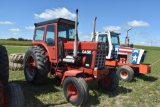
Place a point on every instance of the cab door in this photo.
(50, 42)
(106, 38)
(109, 46)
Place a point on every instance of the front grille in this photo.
(100, 57)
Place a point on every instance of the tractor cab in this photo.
(111, 39)
(52, 34)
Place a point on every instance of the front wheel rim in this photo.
(124, 74)
(72, 91)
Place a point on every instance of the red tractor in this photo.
(56, 49)
(11, 94)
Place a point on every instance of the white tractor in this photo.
(127, 60)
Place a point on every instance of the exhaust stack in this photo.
(94, 27)
(76, 36)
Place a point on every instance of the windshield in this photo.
(115, 39)
(103, 38)
(66, 31)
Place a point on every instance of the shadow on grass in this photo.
(96, 92)
(145, 78)
(30, 92)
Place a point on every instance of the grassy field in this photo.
(143, 91)
(15, 43)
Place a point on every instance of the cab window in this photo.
(103, 38)
(66, 31)
(39, 32)
(50, 35)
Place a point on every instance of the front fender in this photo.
(70, 73)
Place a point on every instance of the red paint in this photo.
(66, 70)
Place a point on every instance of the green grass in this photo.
(16, 49)
(143, 91)
(15, 43)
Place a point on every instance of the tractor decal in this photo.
(137, 56)
(122, 50)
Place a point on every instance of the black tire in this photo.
(72, 86)
(125, 73)
(4, 66)
(110, 82)
(15, 95)
(35, 65)
(86, 90)
(16, 58)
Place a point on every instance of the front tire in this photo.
(86, 90)
(15, 95)
(125, 73)
(110, 82)
(35, 65)
(73, 90)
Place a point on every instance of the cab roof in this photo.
(61, 20)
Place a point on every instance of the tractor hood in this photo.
(88, 46)
(134, 55)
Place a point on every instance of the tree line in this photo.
(19, 39)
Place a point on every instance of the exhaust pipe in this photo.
(94, 27)
(76, 36)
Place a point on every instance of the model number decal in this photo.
(86, 51)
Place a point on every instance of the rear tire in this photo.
(15, 66)
(73, 90)
(110, 82)
(15, 95)
(16, 58)
(4, 66)
(35, 65)
(125, 73)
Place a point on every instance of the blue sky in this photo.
(17, 17)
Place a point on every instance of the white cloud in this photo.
(87, 37)
(112, 28)
(29, 27)
(136, 23)
(55, 13)
(15, 30)
(7, 23)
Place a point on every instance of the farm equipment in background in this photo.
(56, 49)
(16, 61)
(11, 94)
(129, 61)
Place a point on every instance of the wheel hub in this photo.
(72, 91)
(31, 66)
(124, 74)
